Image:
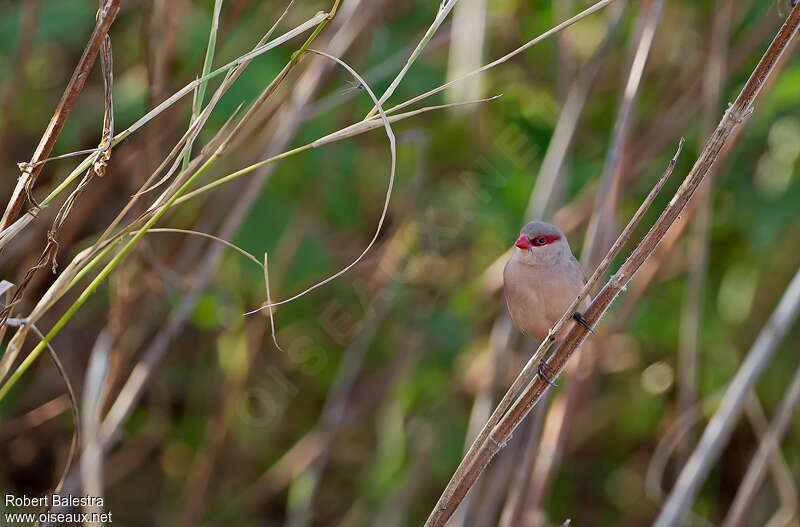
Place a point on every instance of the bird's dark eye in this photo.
(541, 240)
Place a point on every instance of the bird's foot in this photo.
(542, 369)
(580, 319)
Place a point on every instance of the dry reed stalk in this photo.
(515, 506)
(531, 367)
(105, 17)
(600, 232)
(466, 475)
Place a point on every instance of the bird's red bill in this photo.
(523, 242)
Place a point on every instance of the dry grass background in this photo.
(193, 139)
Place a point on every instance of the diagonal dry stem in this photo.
(473, 465)
(10, 231)
(530, 369)
(599, 235)
(444, 9)
(168, 198)
(105, 17)
(719, 428)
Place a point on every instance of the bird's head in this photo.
(541, 243)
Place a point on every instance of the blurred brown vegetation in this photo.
(387, 372)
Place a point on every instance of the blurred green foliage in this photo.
(408, 412)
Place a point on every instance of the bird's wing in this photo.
(580, 269)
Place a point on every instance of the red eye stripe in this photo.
(541, 240)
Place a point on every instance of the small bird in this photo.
(541, 279)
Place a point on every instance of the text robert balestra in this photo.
(54, 500)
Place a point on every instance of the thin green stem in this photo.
(92, 287)
(87, 162)
(201, 89)
(246, 170)
(444, 9)
(157, 213)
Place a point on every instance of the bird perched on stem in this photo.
(541, 280)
